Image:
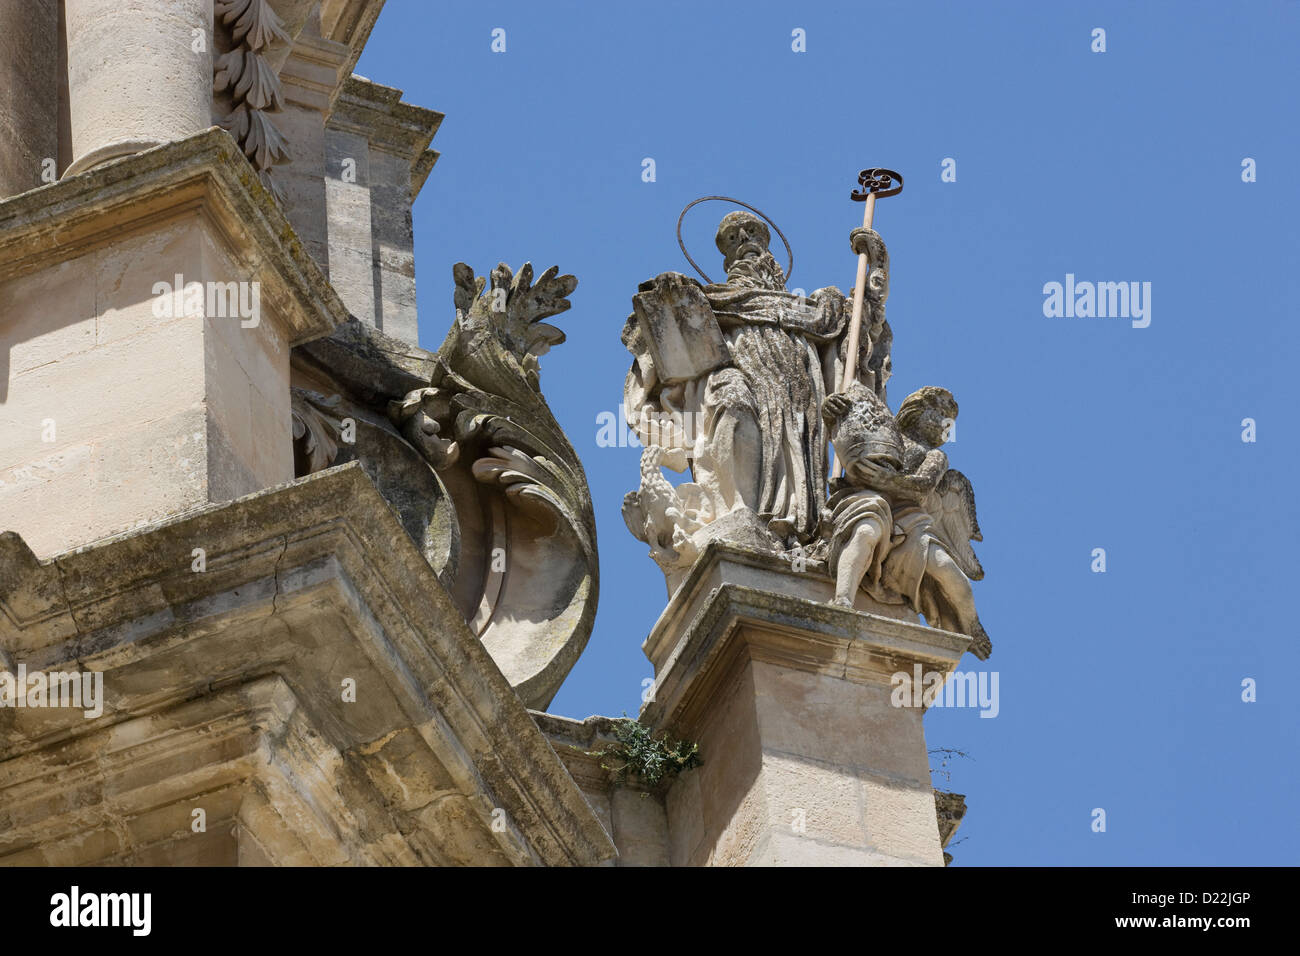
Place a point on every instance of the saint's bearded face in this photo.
(743, 241)
(761, 271)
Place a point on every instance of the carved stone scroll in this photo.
(463, 445)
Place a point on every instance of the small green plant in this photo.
(636, 751)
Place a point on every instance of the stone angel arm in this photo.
(915, 487)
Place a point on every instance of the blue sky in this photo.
(1120, 690)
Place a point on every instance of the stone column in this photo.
(807, 760)
(29, 92)
(135, 77)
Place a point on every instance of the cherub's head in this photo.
(866, 432)
(927, 415)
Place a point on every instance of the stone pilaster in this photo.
(127, 394)
(378, 159)
(311, 76)
(347, 197)
(806, 759)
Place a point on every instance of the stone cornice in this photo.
(377, 112)
(206, 174)
(349, 22)
(722, 562)
(324, 548)
(314, 72)
(739, 623)
(575, 742)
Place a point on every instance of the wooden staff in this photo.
(874, 182)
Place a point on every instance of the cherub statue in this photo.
(901, 519)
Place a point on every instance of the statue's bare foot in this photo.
(842, 601)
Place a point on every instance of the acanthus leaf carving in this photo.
(252, 22)
(521, 561)
(250, 79)
(261, 141)
(316, 427)
(253, 84)
(510, 307)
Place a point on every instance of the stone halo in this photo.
(695, 202)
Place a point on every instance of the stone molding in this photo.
(738, 623)
(236, 745)
(376, 112)
(206, 173)
(324, 552)
(313, 73)
(723, 562)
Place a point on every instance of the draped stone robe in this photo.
(786, 355)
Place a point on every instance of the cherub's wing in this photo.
(952, 505)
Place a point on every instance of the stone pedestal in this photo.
(806, 759)
(128, 394)
(123, 54)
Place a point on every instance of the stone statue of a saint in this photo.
(740, 382)
(729, 378)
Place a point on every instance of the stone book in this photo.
(680, 328)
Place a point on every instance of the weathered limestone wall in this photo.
(634, 817)
(311, 75)
(29, 92)
(116, 415)
(119, 404)
(805, 770)
(246, 386)
(377, 160)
